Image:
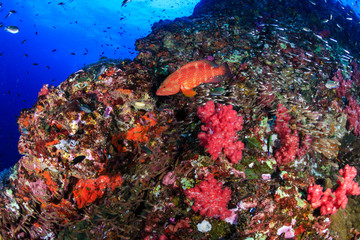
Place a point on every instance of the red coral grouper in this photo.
(192, 75)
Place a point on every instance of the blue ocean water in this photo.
(57, 38)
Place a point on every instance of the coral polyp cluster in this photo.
(254, 156)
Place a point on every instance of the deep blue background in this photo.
(97, 28)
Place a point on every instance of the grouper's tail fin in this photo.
(226, 70)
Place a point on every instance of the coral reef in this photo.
(253, 156)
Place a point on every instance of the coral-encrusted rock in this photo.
(77, 142)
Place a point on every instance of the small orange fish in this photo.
(192, 75)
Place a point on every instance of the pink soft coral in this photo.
(329, 201)
(222, 124)
(210, 198)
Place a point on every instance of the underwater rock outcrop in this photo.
(105, 158)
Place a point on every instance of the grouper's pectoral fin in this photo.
(188, 92)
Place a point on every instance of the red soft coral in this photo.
(222, 124)
(329, 201)
(289, 148)
(210, 198)
(346, 186)
(289, 142)
(324, 200)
